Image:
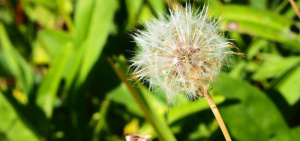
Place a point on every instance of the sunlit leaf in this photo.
(289, 135)
(275, 66)
(255, 47)
(11, 124)
(249, 114)
(93, 21)
(122, 95)
(53, 41)
(16, 64)
(143, 100)
(259, 23)
(290, 13)
(190, 108)
(47, 92)
(140, 11)
(288, 86)
(259, 4)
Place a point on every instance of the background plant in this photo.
(57, 83)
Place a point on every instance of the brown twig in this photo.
(295, 7)
(217, 115)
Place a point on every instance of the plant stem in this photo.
(163, 131)
(295, 8)
(217, 115)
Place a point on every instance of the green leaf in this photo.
(288, 86)
(48, 4)
(46, 95)
(58, 44)
(99, 28)
(290, 13)
(250, 115)
(102, 122)
(123, 96)
(41, 11)
(40, 55)
(53, 41)
(143, 100)
(63, 8)
(82, 20)
(274, 66)
(156, 6)
(289, 135)
(137, 11)
(255, 47)
(16, 64)
(259, 23)
(190, 108)
(11, 125)
(259, 4)
(93, 21)
(141, 11)
(238, 71)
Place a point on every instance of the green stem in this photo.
(161, 127)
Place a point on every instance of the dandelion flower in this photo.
(181, 52)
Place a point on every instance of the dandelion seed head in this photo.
(180, 52)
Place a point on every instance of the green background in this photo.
(64, 73)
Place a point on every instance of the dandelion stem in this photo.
(295, 7)
(217, 115)
(168, 101)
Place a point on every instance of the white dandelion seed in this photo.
(180, 53)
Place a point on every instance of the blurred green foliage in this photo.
(63, 73)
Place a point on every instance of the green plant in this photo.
(56, 82)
